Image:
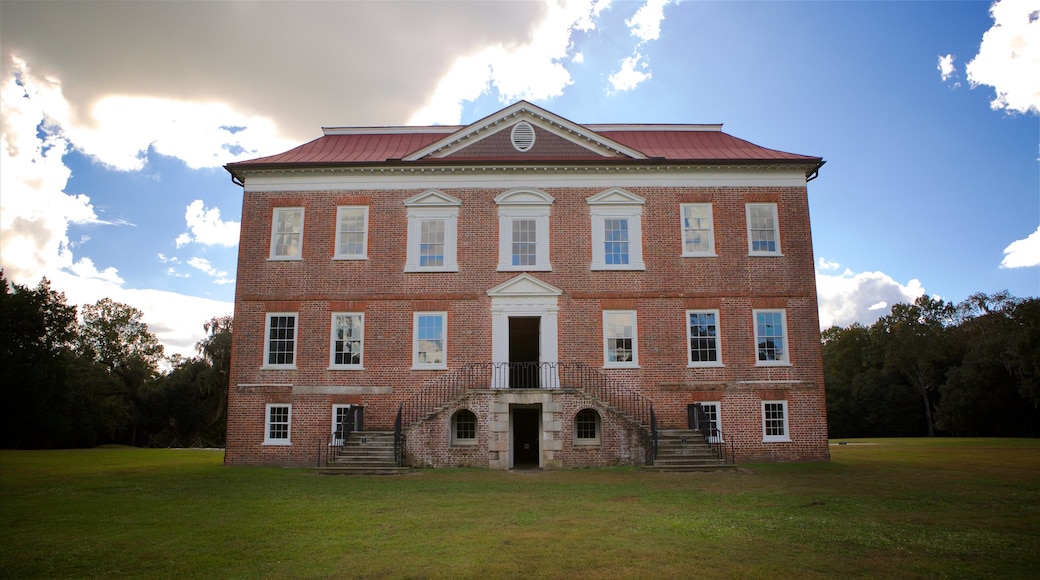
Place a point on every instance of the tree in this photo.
(37, 329)
(115, 336)
(915, 345)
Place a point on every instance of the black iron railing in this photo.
(399, 438)
(720, 445)
(330, 448)
(652, 451)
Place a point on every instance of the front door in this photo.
(526, 429)
(524, 370)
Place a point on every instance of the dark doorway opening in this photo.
(526, 427)
(524, 371)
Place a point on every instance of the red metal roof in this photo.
(657, 142)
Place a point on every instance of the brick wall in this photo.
(733, 282)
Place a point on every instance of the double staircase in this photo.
(365, 453)
(686, 450)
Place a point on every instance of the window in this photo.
(432, 233)
(774, 421)
(348, 331)
(697, 230)
(617, 230)
(523, 230)
(703, 333)
(351, 232)
(763, 233)
(463, 428)
(280, 342)
(770, 338)
(346, 418)
(587, 427)
(619, 338)
(277, 423)
(429, 340)
(287, 233)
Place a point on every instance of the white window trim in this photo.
(416, 366)
(364, 243)
(455, 440)
(776, 228)
(429, 206)
(267, 340)
(634, 363)
(332, 342)
(690, 363)
(617, 203)
(786, 360)
(588, 442)
(274, 224)
(523, 204)
(267, 425)
(786, 437)
(710, 252)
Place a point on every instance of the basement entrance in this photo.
(524, 370)
(526, 427)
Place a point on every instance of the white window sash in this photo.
(690, 338)
(358, 337)
(774, 343)
(704, 224)
(615, 324)
(341, 212)
(287, 233)
(774, 423)
(268, 424)
(422, 344)
(268, 339)
(758, 232)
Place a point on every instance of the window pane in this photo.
(773, 417)
(351, 232)
(525, 242)
(431, 243)
(615, 241)
(281, 340)
(347, 335)
(430, 335)
(465, 425)
(703, 337)
(288, 225)
(278, 423)
(769, 335)
(697, 228)
(585, 424)
(620, 335)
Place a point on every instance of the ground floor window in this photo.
(774, 421)
(277, 423)
(463, 428)
(712, 429)
(587, 427)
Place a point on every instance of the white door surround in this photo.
(529, 297)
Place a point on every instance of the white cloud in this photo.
(203, 265)
(865, 297)
(628, 77)
(645, 24)
(1009, 56)
(1023, 253)
(532, 71)
(823, 264)
(945, 66)
(206, 227)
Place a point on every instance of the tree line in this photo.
(72, 379)
(933, 367)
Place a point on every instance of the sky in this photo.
(118, 117)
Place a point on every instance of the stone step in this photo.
(362, 470)
(690, 468)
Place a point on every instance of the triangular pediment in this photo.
(524, 285)
(615, 196)
(432, 198)
(542, 135)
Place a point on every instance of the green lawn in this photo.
(881, 508)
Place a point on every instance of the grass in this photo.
(962, 508)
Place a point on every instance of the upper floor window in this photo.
(619, 338)
(703, 328)
(523, 230)
(429, 340)
(698, 230)
(432, 233)
(348, 329)
(771, 337)
(287, 233)
(280, 340)
(617, 230)
(762, 229)
(351, 232)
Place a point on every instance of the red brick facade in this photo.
(732, 282)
